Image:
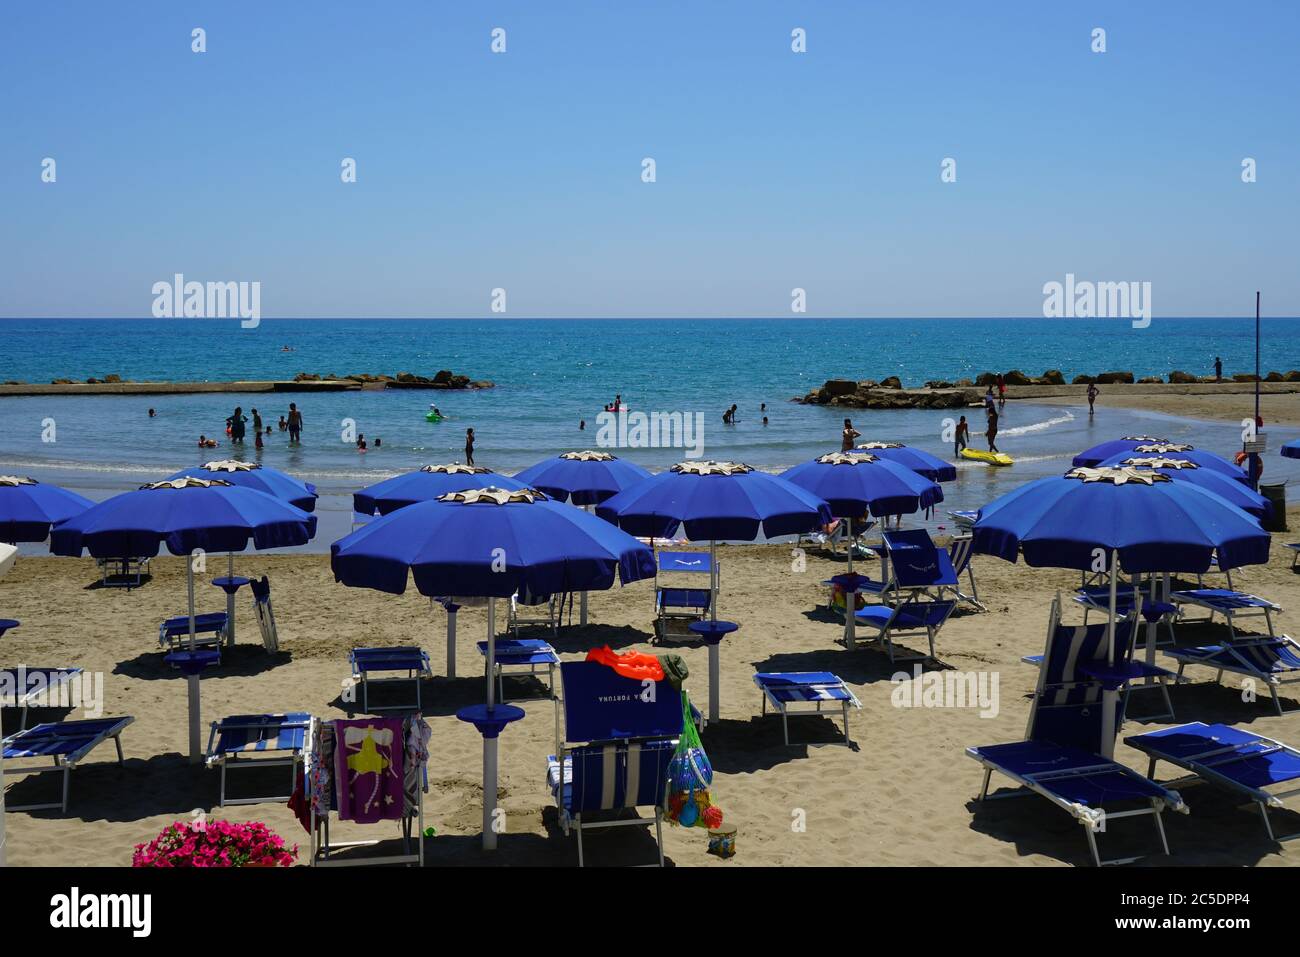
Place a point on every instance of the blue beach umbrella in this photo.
(584, 478)
(1091, 458)
(29, 508)
(489, 543)
(186, 515)
(252, 475)
(916, 460)
(715, 501)
(1177, 450)
(1112, 518)
(1291, 450)
(426, 484)
(1242, 496)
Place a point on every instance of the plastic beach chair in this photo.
(258, 740)
(784, 690)
(1070, 731)
(1240, 761)
(612, 756)
(1273, 660)
(367, 662)
(66, 743)
(522, 656)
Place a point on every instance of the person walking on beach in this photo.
(962, 438)
(1002, 391)
(295, 423)
(1218, 369)
(848, 435)
(992, 433)
(1093, 392)
(469, 446)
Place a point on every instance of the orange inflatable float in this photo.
(631, 664)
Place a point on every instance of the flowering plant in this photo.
(214, 844)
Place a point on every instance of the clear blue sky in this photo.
(522, 170)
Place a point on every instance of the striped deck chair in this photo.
(612, 756)
(960, 553)
(66, 742)
(786, 689)
(258, 740)
(265, 614)
(1238, 760)
(1072, 726)
(1274, 660)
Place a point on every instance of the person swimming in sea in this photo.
(207, 443)
(152, 413)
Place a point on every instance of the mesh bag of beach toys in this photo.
(689, 776)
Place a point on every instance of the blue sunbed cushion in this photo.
(1090, 788)
(1225, 598)
(1252, 762)
(684, 597)
(521, 651)
(912, 615)
(803, 686)
(262, 732)
(60, 738)
(406, 658)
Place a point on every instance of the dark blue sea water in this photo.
(551, 374)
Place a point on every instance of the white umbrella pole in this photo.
(715, 654)
(196, 753)
(490, 742)
(850, 600)
(1152, 637)
(582, 598)
(2, 814)
(451, 640)
(230, 602)
(1108, 697)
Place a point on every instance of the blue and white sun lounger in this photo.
(908, 618)
(675, 602)
(1274, 660)
(24, 688)
(65, 743)
(265, 614)
(258, 740)
(916, 569)
(1070, 731)
(786, 689)
(522, 655)
(209, 629)
(960, 553)
(612, 756)
(367, 661)
(1231, 604)
(1229, 757)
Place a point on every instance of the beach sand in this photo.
(901, 795)
(1277, 408)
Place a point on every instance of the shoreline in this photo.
(1211, 402)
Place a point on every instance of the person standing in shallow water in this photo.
(1218, 369)
(469, 446)
(1093, 392)
(992, 433)
(962, 436)
(848, 435)
(237, 421)
(295, 423)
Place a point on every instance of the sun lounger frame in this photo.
(361, 675)
(550, 620)
(126, 569)
(1243, 667)
(280, 757)
(65, 763)
(768, 691)
(1200, 770)
(507, 653)
(27, 699)
(1264, 608)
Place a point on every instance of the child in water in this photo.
(207, 443)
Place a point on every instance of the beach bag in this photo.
(687, 799)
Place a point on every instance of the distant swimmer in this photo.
(729, 417)
(765, 420)
(152, 413)
(848, 435)
(582, 425)
(285, 349)
(284, 426)
(469, 446)
(207, 443)
(1093, 392)
(378, 442)
(361, 442)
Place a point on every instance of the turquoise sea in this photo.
(552, 374)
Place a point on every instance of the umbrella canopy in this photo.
(1242, 496)
(587, 478)
(184, 514)
(29, 508)
(922, 463)
(1174, 450)
(1292, 449)
(1154, 523)
(854, 483)
(489, 542)
(1091, 458)
(715, 501)
(255, 476)
(425, 485)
